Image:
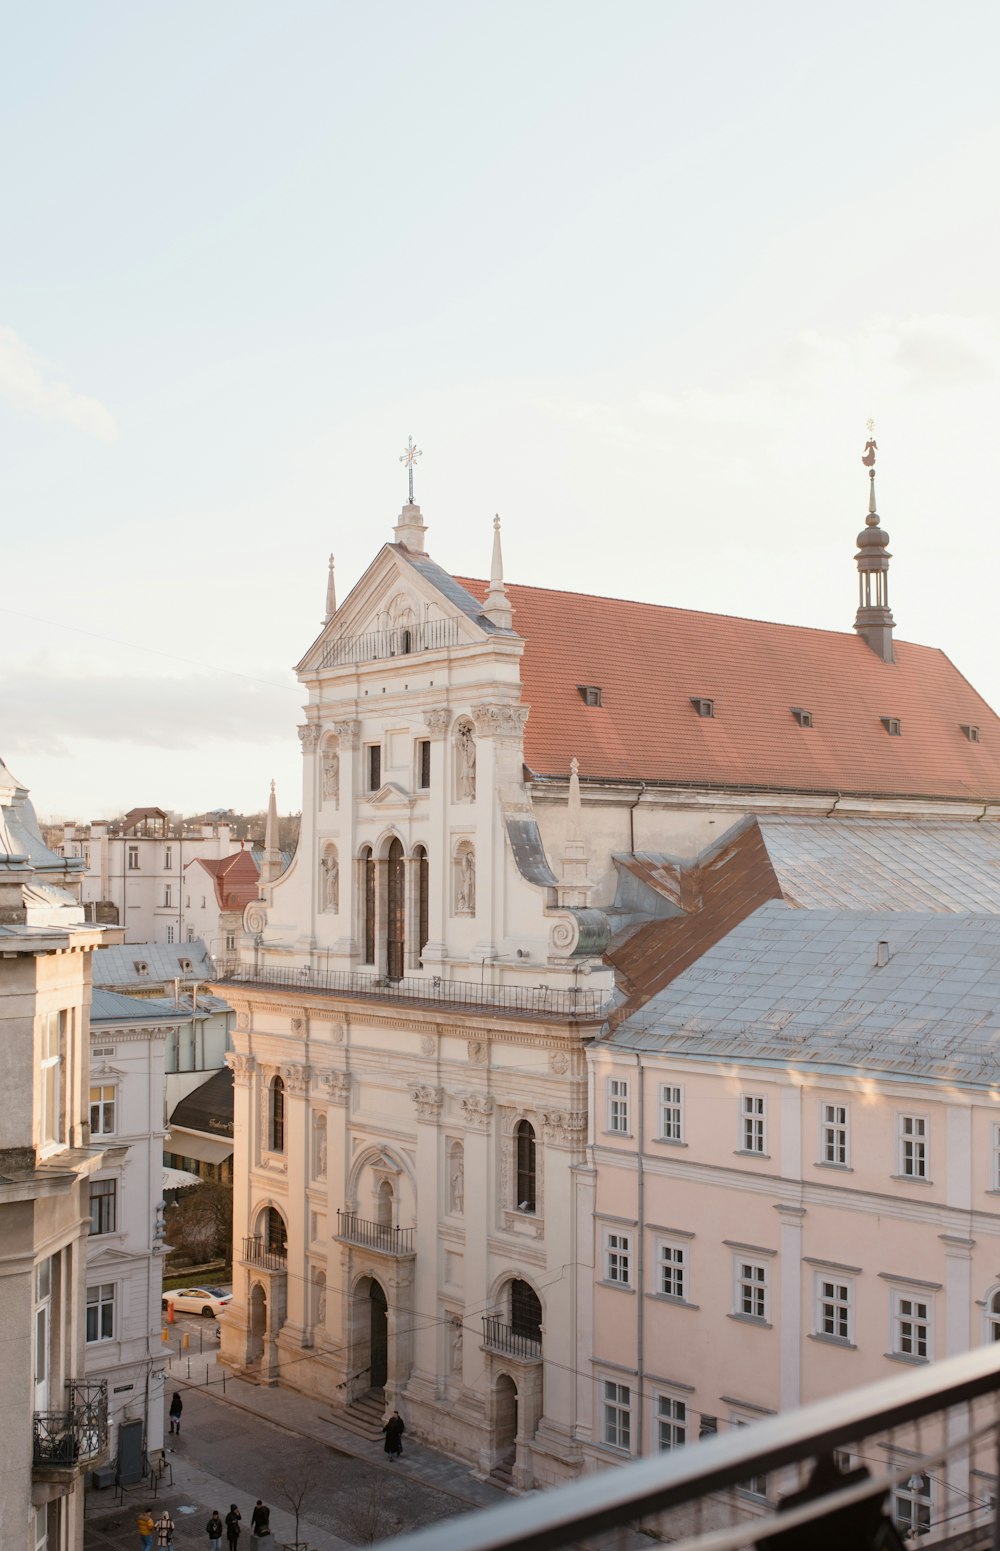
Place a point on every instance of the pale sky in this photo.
(633, 275)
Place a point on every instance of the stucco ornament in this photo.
(565, 1127)
(242, 1068)
(255, 918)
(243, 1022)
(331, 882)
(559, 1063)
(349, 734)
(297, 1077)
(427, 1046)
(500, 720)
(309, 738)
(477, 1051)
(337, 1086)
(466, 778)
(427, 1100)
(331, 775)
(477, 1109)
(564, 936)
(438, 722)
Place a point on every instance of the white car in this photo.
(209, 1301)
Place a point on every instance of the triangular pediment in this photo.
(108, 1255)
(392, 796)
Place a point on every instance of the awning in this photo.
(179, 1179)
(192, 1144)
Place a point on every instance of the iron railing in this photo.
(921, 1448)
(526, 1001)
(402, 641)
(498, 1337)
(75, 1436)
(257, 1253)
(374, 1235)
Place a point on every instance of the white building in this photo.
(128, 1039)
(53, 1424)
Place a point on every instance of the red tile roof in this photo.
(236, 878)
(650, 660)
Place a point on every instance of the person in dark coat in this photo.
(260, 1524)
(233, 1526)
(176, 1407)
(394, 1429)
(213, 1529)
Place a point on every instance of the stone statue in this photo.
(321, 1302)
(331, 883)
(456, 1343)
(466, 763)
(458, 1183)
(321, 1147)
(467, 882)
(331, 776)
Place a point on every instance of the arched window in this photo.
(525, 1311)
(993, 1318)
(368, 903)
(524, 1138)
(277, 1118)
(395, 936)
(276, 1235)
(384, 1206)
(423, 899)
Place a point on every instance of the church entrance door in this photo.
(379, 1336)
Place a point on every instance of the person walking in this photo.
(176, 1407)
(260, 1525)
(164, 1530)
(394, 1429)
(213, 1529)
(233, 1526)
(145, 1526)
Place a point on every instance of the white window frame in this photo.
(991, 1315)
(619, 1105)
(834, 1305)
(672, 1269)
(753, 1124)
(913, 1134)
(168, 896)
(106, 1297)
(753, 1486)
(102, 1104)
(168, 857)
(133, 859)
(917, 1504)
(672, 1418)
(230, 942)
(995, 1157)
(111, 1195)
(618, 1257)
(834, 1133)
(616, 1415)
(52, 1065)
(170, 935)
(671, 1112)
(912, 1323)
(752, 1284)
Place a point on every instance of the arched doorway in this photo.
(378, 1335)
(505, 1416)
(395, 936)
(258, 1322)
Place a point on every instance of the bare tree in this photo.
(200, 1224)
(295, 1486)
(365, 1517)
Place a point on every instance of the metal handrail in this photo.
(374, 1235)
(400, 641)
(533, 1001)
(564, 1516)
(257, 1253)
(500, 1337)
(78, 1434)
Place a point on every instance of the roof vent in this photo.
(590, 694)
(970, 731)
(882, 954)
(141, 967)
(703, 707)
(186, 966)
(891, 725)
(804, 718)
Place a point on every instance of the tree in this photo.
(365, 1518)
(295, 1487)
(200, 1225)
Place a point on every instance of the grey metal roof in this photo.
(116, 966)
(112, 1007)
(452, 590)
(798, 987)
(885, 864)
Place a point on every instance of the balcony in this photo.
(537, 1002)
(920, 1450)
(74, 1439)
(381, 1237)
(498, 1337)
(257, 1253)
(402, 641)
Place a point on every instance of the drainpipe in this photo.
(640, 1273)
(631, 816)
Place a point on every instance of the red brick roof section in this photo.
(236, 879)
(649, 661)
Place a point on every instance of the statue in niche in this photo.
(456, 1343)
(321, 1147)
(466, 882)
(321, 1300)
(458, 1182)
(331, 882)
(331, 776)
(466, 762)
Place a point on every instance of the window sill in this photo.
(624, 1136)
(911, 1362)
(751, 1319)
(840, 1168)
(616, 1286)
(680, 1303)
(841, 1341)
(748, 1152)
(911, 1179)
(671, 1141)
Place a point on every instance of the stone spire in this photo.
(874, 619)
(331, 595)
(497, 607)
(574, 887)
(270, 866)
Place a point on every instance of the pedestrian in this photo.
(164, 1530)
(145, 1526)
(260, 1524)
(233, 1526)
(394, 1429)
(213, 1529)
(176, 1407)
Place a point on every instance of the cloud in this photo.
(24, 382)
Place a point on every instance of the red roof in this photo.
(649, 661)
(236, 878)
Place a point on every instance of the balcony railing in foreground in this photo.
(76, 1436)
(531, 1001)
(498, 1337)
(374, 1235)
(256, 1252)
(921, 1449)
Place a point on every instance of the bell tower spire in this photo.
(271, 859)
(874, 619)
(497, 607)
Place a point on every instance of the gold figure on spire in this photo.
(871, 447)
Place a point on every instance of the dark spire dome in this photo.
(874, 618)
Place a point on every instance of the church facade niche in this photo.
(456, 1178)
(329, 788)
(464, 742)
(329, 879)
(464, 886)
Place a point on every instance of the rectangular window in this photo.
(133, 858)
(751, 1289)
(671, 1422)
(673, 1270)
(754, 1486)
(911, 1326)
(833, 1308)
(101, 1312)
(170, 934)
(833, 1145)
(102, 1109)
(911, 1506)
(168, 857)
(617, 1415)
(424, 763)
(374, 766)
(671, 1113)
(618, 1105)
(53, 1043)
(230, 942)
(168, 894)
(103, 1205)
(913, 1146)
(752, 1114)
(617, 1258)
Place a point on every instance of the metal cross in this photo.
(409, 457)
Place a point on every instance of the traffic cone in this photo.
(170, 1313)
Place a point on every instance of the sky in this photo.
(633, 275)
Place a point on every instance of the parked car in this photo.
(209, 1301)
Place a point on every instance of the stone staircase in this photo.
(363, 1416)
(502, 1474)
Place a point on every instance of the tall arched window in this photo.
(384, 1204)
(368, 903)
(525, 1311)
(423, 899)
(993, 1318)
(277, 1117)
(524, 1138)
(277, 1234)
(395, 935)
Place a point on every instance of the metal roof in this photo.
(118, 965)
(112, 1007)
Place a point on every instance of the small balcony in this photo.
(381, 1237)
(257, 1252)
(503, 1338)
(75, 1438)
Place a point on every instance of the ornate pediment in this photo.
(390, 796)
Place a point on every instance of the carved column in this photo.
(236, 1335)
(297, 1078)
(477, 1115)
(335, 1090)
(428, 1102)
(439, 863)
(349, 736)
